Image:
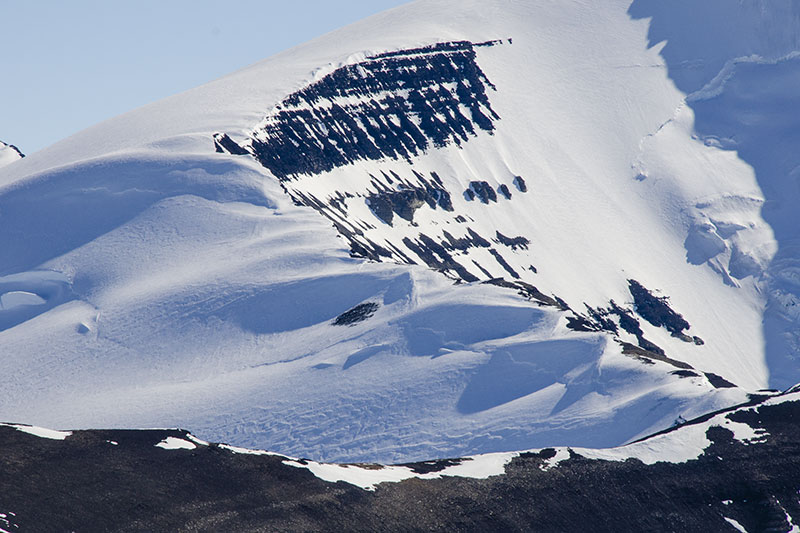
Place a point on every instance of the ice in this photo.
(247, 451)
(196, 440)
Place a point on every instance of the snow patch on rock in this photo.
(174, 443)
(41, 432)
(368, 476)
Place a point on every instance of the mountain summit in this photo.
(452, 228)
(9, 153)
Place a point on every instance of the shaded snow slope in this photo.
(743, 84)
(189, 263)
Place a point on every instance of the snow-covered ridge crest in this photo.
(9, 154)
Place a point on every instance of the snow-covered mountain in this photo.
(9, 153)
(452, 228)
(735, 470)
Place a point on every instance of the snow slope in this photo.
(742, 85)
(150, 276)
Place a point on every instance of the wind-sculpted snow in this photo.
(28, 294)
(239, 280)
(738, 465)
(66, 208)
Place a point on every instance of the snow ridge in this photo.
(9, 153)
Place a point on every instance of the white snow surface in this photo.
(370, 476)
(174, 443)
(40, 432)
(147, 281)
(736, 525)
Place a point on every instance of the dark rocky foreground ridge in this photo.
(119, 480)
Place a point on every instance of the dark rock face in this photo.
(530, 292)
(409, 101)
(471, 240)
(224, 144)
(357, 314)
(437, 257)
(404, 202)
(718, 381)
(685, 373)
(503, 263)
(513, 242)
(483, 191)
(13, 148)
(118, 480)
(389, 107)
(656, 310)
(648, 356)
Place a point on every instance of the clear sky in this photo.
(66, 65)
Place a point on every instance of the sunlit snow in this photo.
(146, 280)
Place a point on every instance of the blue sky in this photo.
(68, 65)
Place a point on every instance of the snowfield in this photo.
(152, 277)
(737, 463)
